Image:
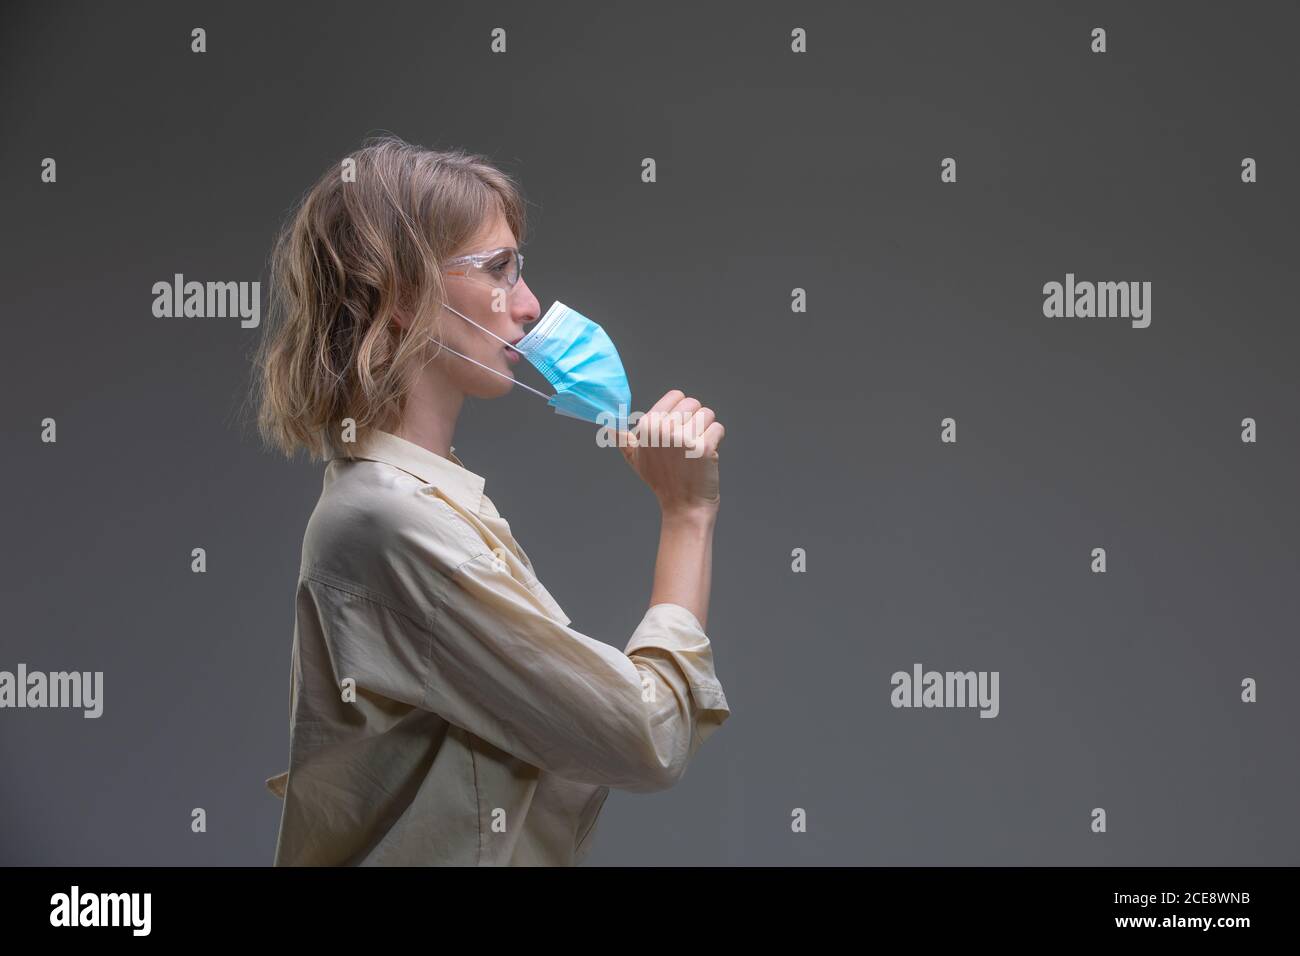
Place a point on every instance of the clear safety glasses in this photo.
(500, 268)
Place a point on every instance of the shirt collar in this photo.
(448, 475)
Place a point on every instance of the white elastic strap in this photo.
(480, 364)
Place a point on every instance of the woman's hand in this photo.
(674, 449)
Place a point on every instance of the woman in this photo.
(442, 711)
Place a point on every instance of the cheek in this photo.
(498, 322)
(486, 347)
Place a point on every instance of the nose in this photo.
(525, 308)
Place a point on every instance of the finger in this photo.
(700, 422)
(668, 401)
(686, 407)
(642, 429)
(682, 414)
(713, 435)
(676, 438)
(652, 430)
(665, 432)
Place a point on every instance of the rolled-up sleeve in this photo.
(504, 668)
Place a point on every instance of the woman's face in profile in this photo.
(487, 298)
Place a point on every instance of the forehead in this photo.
(495, 234)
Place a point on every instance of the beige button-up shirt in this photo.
(441, 709)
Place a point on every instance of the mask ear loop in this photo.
(508, 378)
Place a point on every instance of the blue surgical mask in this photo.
(576, 356)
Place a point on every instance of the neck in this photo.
(431, 410)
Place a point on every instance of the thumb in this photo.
(626, 444)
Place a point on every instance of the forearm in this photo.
(684, 566)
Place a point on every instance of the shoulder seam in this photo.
(484, 554)
(357, 590)
(534, 585)
(468, 535)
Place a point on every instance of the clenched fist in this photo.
(674, 449)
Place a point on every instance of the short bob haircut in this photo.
(355, 252)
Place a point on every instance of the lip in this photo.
(511, 355)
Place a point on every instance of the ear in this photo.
(402, 318)
(404, 310)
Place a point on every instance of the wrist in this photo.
(694, 515)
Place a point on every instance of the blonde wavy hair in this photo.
(350, 257)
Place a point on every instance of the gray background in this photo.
(775, 170)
